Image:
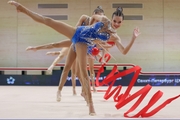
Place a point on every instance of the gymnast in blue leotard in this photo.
(117, 19)
(83, 21)
(81, 37)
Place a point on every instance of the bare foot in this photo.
(31, 48)
(13, 3)
(49, 70)
(58, 96)
(49, 53)
(16, 4)
(91, 110)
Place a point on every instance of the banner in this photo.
(53, 80)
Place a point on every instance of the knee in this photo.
(47, 20)
(66, 69)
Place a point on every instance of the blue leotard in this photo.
(86, 34)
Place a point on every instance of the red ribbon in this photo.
(125, 98)
(106, 56)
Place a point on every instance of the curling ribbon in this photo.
(124, 98)
(101, 69)
(107, 56)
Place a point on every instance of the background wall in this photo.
(156, 49)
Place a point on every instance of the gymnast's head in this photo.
(117, 18)
(98, 11)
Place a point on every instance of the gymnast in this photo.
(82, 37)
(117, 19)
(83, 21)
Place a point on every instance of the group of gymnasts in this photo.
(95, 31)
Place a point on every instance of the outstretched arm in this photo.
(125, 50)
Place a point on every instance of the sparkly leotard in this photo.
(86, 34)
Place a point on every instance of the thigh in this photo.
(71, 56)
(60, 27)
(81, 51)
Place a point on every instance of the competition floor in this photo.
(32, 102)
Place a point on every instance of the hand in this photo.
(31, 48)
(136, 32)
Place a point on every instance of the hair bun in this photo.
(99, 7)
(119, 9)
